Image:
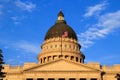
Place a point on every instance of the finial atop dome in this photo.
(60, 15)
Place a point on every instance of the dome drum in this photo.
(72, 57)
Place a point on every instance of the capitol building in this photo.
(61, 59)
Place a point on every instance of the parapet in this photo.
(8, 68)
(115, 67)
(94, 65)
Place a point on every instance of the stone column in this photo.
(34, 78)
(45, 78)
(77, 78)
(56, 78)
(99, 79)
(88, 78)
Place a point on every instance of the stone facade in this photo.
(61, 59)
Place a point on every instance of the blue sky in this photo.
(24, 23)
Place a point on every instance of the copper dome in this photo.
(59, 28)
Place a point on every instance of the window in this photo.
(49, 58)
(65, 46)
(72, 79)
(60, 56)
(40, 78)
(55, 45)
(51, 79)
(51, 46)
(41, 60)
(76, 59)
(80, 60)
(93, 79)
(29, 79)
(82, 78)
(60, 45)
(54, 57)
(61, 79)
(44, 58)
(72, 57)
(66, 56)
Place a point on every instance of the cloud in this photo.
(17, 19)
(94, 10)
(23, 46)
(107, 23)
(27, 46)
(22, 51)
(28, 6)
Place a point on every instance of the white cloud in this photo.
(106, 24)
(24, 46)
(94, 10)
(28, 6)
(17, 19)
(24, 51)
(27, 46)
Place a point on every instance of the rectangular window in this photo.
(118, 78)
(61, 79)
(29, 79)
(82, 78)
(72, 79)
(40, 78)
(51, 79)
(93, 79)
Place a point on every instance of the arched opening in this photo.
(44, 59)
(80, 60)
(76, 59)
(72, 79)
(66, 56)
(49, 58)
(41, 61)
(54, 57)
(72, 57)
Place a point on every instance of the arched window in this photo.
(41, 60)
(80, 60)
(76, 59)
(49, 58)
(44, 59)
(72, 57)
(66, 56)
(55, 45)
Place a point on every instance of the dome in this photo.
(58, 29)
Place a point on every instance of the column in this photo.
(77, 78)
(45, 78)
(98, 79)
(88, 78)
(56, 78)
(34, 78)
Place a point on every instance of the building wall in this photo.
(18, 73)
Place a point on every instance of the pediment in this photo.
(61, 65)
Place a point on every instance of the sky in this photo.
(24, 23)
